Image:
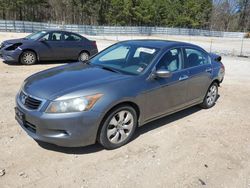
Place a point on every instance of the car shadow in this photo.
(140, 130)
(39, 63)
(165, 121)
(71, 150)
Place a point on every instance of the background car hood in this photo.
(56, 82)
(13, 41)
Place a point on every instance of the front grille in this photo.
(2, 46)
(29, 102)
(32, 103)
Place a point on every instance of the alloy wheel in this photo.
(120, 126)
(29, 58)
(83, 56)
(211, 95)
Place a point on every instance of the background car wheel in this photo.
(28, 58)
(211, 96)
(118, 127)
(84, 56)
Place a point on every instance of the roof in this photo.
(53, 30)
(60, 30)
(156, 43)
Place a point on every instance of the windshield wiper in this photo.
(110, 69)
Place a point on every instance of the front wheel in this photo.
(28, 58)
(211, 96)
(118, 127)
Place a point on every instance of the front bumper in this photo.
(10, 56)
(66, 129)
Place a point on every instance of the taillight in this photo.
(94, 44)
(222, 67)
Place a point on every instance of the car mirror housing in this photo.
(163, 73)
(42, 40)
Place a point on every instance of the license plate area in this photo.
(19, 115)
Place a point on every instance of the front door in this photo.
(165, 95)
(51, 47)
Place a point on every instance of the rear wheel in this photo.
(83, 56)
(118, 127)
(28, 58)
(211, 96)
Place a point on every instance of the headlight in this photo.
(78, 104)
(13, 46)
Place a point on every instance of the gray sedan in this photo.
(125, 86)
(46, 46)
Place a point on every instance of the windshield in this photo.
(35, 36)
(126, 58)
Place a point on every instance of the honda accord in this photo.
(125, 86)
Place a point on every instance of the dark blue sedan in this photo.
(46, 46)
(127, 85)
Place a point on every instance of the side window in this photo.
(171, 61)
(194, 57)
(55, 36)
(71, 37)
(116, 54)
(46, 37)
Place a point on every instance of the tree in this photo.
(225, 15)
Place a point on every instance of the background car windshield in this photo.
(126, 58)
(36, 35)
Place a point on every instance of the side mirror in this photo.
(42, 40)
(163, 73)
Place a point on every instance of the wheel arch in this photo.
(84, 51)
(28, 49)
(215, 81)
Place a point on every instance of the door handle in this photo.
(209, 70)
(183, 77)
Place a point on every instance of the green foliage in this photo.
(171, 13)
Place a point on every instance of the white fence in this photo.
(24, 26)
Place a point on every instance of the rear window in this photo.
(195, 57)
(72, 37)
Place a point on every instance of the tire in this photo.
(118, 127)
(211, 96)
(83, 56)
(28, 58)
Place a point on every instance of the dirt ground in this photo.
(192, 148)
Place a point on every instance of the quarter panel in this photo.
(199, 81)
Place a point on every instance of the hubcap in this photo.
(28, 58)
(211, 95)
(84, 57)
(120, 126)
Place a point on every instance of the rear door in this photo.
(73, 44)
(198, 64)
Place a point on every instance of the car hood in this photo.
(56, 82)
(13, 41)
